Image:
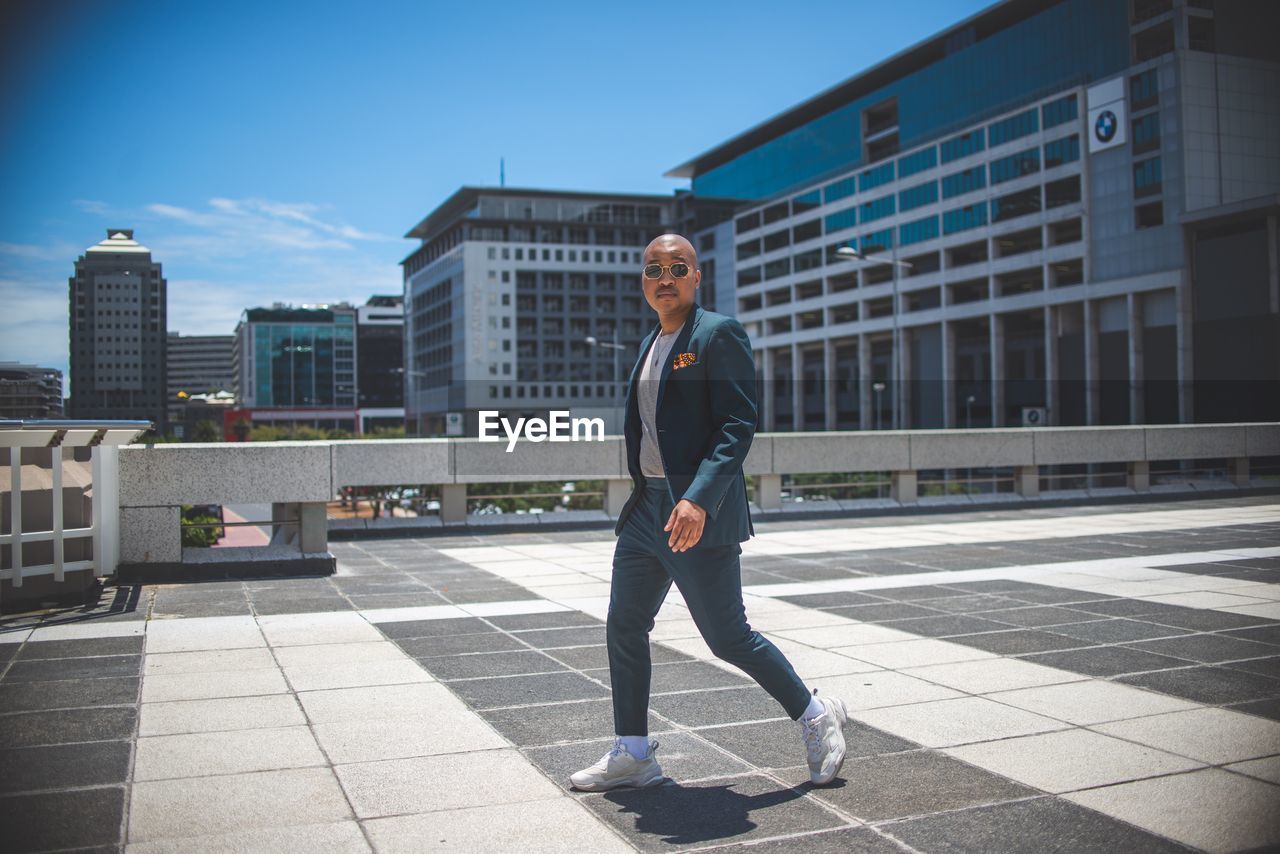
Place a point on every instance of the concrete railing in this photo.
(299, 478)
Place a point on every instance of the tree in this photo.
(206, 431)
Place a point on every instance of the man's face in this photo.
(669, 295)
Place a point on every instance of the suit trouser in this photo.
(710, 580)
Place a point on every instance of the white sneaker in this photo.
(619, 768)
(824, 740)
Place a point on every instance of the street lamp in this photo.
(851, 254)
(877, 388)
(617, 349)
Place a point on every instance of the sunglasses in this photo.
(678, 270)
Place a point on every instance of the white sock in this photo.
(636, 745)
(815, 708)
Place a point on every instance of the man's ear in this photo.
(697, 278)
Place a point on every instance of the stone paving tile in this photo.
(683, 676)
(1070, 760)
(1263, 634)
(1263, 769)
(1020, 641)
(1205, 620)
(1117, 630)
(428, 732)
(1262, 708)
(987, 675)
(33, 696)
(64, 766)
(230, 713)
(1214, 736)
(897, 785)
(596, 657)
(67, 726)
(449, 781)
(431, 647)
(1206, 648)
(540, 827)
(453, 667)
(1107, 660)
(343, 837)
(1036, 616)
(54, 669)
(722, 706)
(1209, 685)
(881, 612)
(85, 648)
(1209, 809)
(523, 690)
(208, 661)
(204, 806)
(80, 819)
(201, 754)
(553, 723)
(735, 809)
(557, 620)
(835, 599)
(204, 686)
(1090, 702)
(945, 723)
(556, 638)
(435, 628)
(1040, 825)
(948, 625)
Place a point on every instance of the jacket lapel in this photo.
(681, 346)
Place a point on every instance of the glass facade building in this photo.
(1040, 188)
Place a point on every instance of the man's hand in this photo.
(685, 524)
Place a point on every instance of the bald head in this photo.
(673, 245)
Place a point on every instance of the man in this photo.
(690, 417)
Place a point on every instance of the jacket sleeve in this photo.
(732, 401)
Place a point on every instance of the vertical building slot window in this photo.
(1146, 177)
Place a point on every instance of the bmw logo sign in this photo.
(1105, 127)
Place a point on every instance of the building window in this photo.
(963, 219)
(915, 232)
(963, 145)
(877, 241)
(1057, 112)
(773, 213)
(806, 231)
(964, 182)
(911, 164)
(1014, 127)
(914, 197)
(1146, 177)
(1149, 215)
(1146, 133)
(1063, 192)
(806, 202)
(837, 190)
(1060, 151)
(777, 240)
(748, 222)
(1200, 33)
(878, 208)
(774, 269)
(1015, 205)
(749, 249)
(1144, 89)
(1015, 166)
(847, 218)
(875, 177)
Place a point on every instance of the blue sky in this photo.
(280, 150)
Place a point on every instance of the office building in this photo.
(1067, 212)
(380, 376)
(198, 365)
(503, 294)
(296, 366)
(118, 313)
(30, 391)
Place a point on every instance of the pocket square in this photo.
(684, 360)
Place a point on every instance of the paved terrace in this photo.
(1083, 679)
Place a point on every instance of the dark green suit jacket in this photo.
(706, 419)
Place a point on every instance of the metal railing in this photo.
(51, 444)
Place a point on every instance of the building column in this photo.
(797, 388)
(766, 389)
(995, 329)
(829, 383)
(866, 418)
(1185, 344)
(1051, 369)
(948, 375)
(1092, 392)
(1137, 367)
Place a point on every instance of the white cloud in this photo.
(33, 325)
